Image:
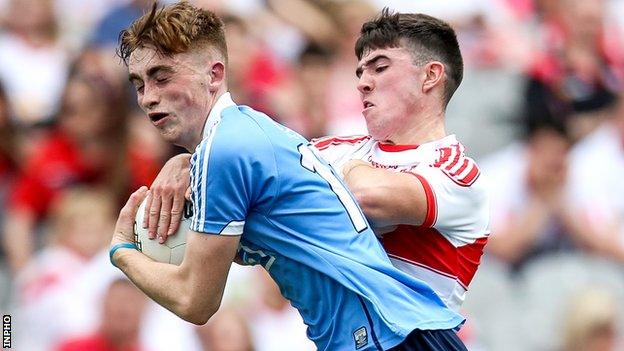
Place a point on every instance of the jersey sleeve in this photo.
(231, 173)
(460, 211)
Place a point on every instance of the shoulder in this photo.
(237, 134)
(453, 163)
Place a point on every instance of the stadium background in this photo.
(73, 145)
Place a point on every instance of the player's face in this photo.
(174, 93)
(390, 85)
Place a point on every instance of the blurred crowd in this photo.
(541, 108)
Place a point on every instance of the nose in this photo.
(365, 84)
(149, 99)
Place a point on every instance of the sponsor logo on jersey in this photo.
(360, 336)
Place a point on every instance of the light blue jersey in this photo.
(253, 177)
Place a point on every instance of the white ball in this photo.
(172, 251)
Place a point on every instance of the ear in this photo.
(434, 73)
(216, 75)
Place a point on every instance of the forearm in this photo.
(168, 285)
(387, 198)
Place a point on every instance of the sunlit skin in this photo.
(177, 92)
(402, 101)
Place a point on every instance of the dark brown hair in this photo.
(172, 30)
(429, 38)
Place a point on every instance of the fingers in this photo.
(164, 219)
(154, 213)
(187, 194)
(165, 213)
(148, 206)
(176, 214)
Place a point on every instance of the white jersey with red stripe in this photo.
(446, 249)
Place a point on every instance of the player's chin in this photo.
(376, 131)
(170, 135)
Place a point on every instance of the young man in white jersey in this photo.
(412, 180)
(416, 186)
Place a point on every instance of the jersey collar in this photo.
(396, 148)
(224, 101)
(443, 142)
(406, 154)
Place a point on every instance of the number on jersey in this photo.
(311, 162)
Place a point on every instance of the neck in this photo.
(423, 128)
(198, 135)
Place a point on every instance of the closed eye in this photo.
(162, 79)
(380, 69)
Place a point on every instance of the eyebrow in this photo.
(150, 72)
(358, 71)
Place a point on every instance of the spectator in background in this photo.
(80, 223)
(275, 324)
(88, 146)
(579, 68)
(302, 99)
(8, 150)
(81, 219)
(590, 323)
(596, 186)
(345, 105)
(255, 75)
(8, 158)
(34, 62)
(313, 72)
(122, 311)
(530, 213)
(333, 26)
(118, 18)
(226, 331)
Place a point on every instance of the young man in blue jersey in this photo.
(255, 188)
(415, 183)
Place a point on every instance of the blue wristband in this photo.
(117, 247)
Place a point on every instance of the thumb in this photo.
(128, 212)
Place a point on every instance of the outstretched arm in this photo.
(193, 290)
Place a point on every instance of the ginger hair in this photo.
(173, 29)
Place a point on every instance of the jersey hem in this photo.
(215, 228)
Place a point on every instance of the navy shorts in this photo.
(434, 340)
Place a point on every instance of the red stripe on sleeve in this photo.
(461, 169)
(445, 153)
(432, 206)
(456, 159)
(471, 176)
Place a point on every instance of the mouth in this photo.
(367, 104)
(157, 117)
